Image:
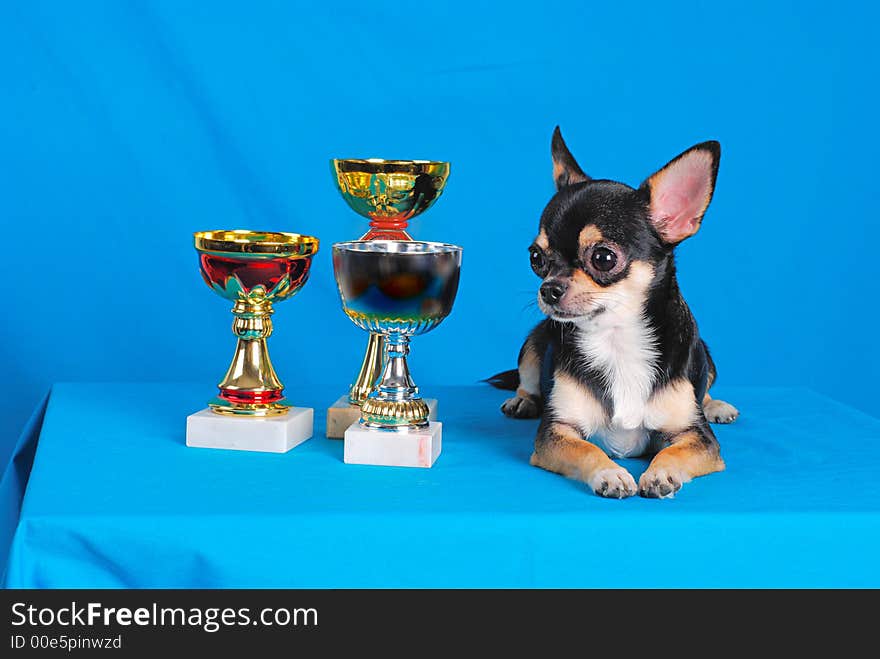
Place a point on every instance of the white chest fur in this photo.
(623, 443)
(623, 349)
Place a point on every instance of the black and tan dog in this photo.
(619, 360)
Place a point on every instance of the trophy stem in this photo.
(387, 229)
(371, 367)
(251, 387)
(395, 401)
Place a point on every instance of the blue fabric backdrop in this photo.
(125, 126)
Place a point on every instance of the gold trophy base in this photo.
(382, 413)
(220, 406)
(342, 414)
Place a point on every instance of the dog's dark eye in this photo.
(603, 259)
(538, 262)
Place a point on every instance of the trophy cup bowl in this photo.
(389, 192)
(396, 289)
(254, 270)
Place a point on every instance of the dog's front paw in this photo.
(521, 407)
(717, 411)
(660, 483)
(613, 482)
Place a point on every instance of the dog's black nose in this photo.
(552, 291)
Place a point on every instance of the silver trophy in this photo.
(398, 289)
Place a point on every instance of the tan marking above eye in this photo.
(590, 235)
(542, 241)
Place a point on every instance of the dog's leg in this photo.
(560, 448)
(694, 452)
(527, 402)
(716, 411)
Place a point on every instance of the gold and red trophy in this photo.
(254, 270)
(389, 193)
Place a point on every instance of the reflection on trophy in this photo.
(389, 193)
(254, 270)
(398, 289)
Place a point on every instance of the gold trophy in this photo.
(389, 193)
(254, 270)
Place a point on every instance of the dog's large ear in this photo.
(566, 171)
(680, 192)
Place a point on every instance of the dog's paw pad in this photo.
(660, 483)
(613, 483)
(520, 407)
(717, 411)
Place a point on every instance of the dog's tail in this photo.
(505, 380)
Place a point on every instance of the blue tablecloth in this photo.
(115, 498)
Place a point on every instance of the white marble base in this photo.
(274, 434)
(393, 448)
(342, 414)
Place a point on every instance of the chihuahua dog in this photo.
(618, 368)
